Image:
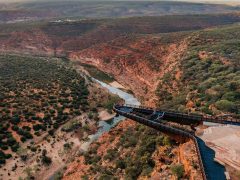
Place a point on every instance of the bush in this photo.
(111, 154)
(133, 172)
(23, 139)
(106, 177)
(46, 160)
(177, 170)
(131, 142)
(2, 161)
(11, 141)
(51, 132)
(166, 141)
(226, 105)
(120, 164)
(15, 147)
(15, 128)
(15, 120)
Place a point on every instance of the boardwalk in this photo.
(159, 119)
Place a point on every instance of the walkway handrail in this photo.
(160, 126)
(200, 118)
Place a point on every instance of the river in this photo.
(105, 126)
(213, 169)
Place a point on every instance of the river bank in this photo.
(105, 126)
(64, 145)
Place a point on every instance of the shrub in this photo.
(15, 147)
(177, 170)
(23, 139)
(120, 164)
(15, 120)
(46, 160)
(133, 172)
(106, 177)
(2, 161)
(226, 105)
(166, 141)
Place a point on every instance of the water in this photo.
(105, 126)
(213, 169)
(129, 98)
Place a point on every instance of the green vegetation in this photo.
(37, 95)
(111, 101)
(69, 28)
(211, 74)
(178, 170)
(71, 125)
(76, 35)
(138, 145)
(58, 175)
(100, 9)
(98, 74)
(45, 159)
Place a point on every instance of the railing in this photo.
(166, 128)
(193, 117)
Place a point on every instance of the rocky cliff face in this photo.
(145, 64)
(140, 63)
(137, 62)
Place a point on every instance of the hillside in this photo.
(37, 10)
(209, 80)
(174, 65)
(47, 108)
(195, 72)
(134, 151)
(184, 63)
(63, 38)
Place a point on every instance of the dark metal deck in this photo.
(155, 118)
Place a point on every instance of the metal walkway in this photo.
(155, 118)
(187, 119)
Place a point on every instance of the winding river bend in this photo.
(105, 126)
(214, 170)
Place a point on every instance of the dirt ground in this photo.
(60, 156)
(105, 116)
(117, 85)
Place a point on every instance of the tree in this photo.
(120, 164)
(226, 105)
(51, 132)
(2, 161)
(15, 119)
(45, 159)
(133, 172)
(166, 141)
(177, 170)
(11, 141)
(23, 139)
